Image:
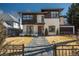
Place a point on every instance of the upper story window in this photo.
(42, 19)
(27, 17)
(54, 14)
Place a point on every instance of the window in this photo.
(42, 19)
(54, 14)
(27, 17)
(16, 25)
(30, 29)
(9, 23)
(51, 28)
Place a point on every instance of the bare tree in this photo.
(2, 32)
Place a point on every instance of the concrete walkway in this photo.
(38, 47)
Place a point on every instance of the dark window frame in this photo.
(27, 17)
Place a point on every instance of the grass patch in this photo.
(18, 40)
(57, 39)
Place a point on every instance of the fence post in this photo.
(54, 50)
(23, 50)
(73, 50)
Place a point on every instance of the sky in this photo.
(35, 7)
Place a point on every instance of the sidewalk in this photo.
(38, 51)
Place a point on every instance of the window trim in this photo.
(30, 29)
(54, 14)
(53, 28)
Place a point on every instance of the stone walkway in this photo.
(38, 47)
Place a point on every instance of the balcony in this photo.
(32, 21)
(29, 19)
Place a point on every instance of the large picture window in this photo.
(51, 28)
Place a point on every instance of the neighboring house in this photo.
(11, 23)
(48, 21)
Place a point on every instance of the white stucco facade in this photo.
(52, 22)
(61, 20)
(47, 22)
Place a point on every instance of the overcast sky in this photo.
(16, 7)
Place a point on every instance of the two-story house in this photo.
(46, 22)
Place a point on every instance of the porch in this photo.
(33, 30)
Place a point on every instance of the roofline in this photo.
(31, 13)
(52, 9)
(63, 16)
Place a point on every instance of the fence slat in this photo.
(23, 49)
(54, 50)
(12, 50)
(65, 50)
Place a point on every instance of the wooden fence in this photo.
(66, 50)
(12, 50)
(58, 50)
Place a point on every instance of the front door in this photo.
(40, 30)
